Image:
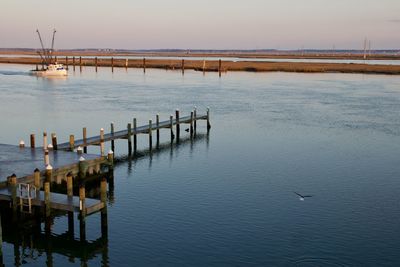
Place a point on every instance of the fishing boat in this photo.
(50, 67)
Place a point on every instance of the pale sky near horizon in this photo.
(206, 24)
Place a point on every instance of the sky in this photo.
(205, 24)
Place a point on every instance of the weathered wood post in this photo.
(204, 67)
(144, 65)
(84, 140)
(129, 137)
(171, 126)
(32, 140)
(82, 213)
(14, 203)
(195, 120)
(21, 144)
(37, 67)
(110, 158)
(177, 125)
(83, 167)
(219, 67)
(158, 130)
(134, 136)
(95, 63)
(208, 119)
(112, 64)
(54, 141)
(44, 140)
(66, 63)
(36, 179)
(102, 141)
(103, 197)
(183, 66)
(73, 63)
(126, 63)
(49, 173)
(47, 203)
(70, 194)
(191, 124)
(150, 136)
(80, 64)
(46, 157)
(71, 142)
(112, 133)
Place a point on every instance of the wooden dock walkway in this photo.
(125, 134)
(58, 201)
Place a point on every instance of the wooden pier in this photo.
(41, 175)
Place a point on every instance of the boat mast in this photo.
(45, 54)
(52, 46)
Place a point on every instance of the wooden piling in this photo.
(134, 136)
(183, 66)
(70, 185)
(129, 137)
(195, 120)
(82, 213)
(158, 130)
(191, 124)
(110, 158)
(84, 140)
(126, 63)
(150, 136)
(66, 63)
(47, 198)
(171, 126)
(14, 203)
(144, 65)
(219, 67)
(112, 64)
(36, 179)
(73, 63)
(32, 140)
(208, 119)
(103, 197)
(204, 67)
(21, 144)
(80, 64)
(102, 141)
(46, 157)
(49, 173)
(54, 141)
(177, 125)
(71, 142)
(112, 133)
(44, 140)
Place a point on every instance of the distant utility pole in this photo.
(369, 48)
(365, 48)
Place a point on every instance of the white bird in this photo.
(301, 197)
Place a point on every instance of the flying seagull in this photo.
(301, 197)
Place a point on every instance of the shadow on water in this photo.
(30, 243)
(163, 148)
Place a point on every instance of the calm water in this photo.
(227, 199)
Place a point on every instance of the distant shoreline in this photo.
(213, 65)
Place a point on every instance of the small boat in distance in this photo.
(50, 67)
